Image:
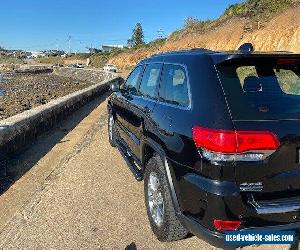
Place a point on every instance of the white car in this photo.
(110, 68)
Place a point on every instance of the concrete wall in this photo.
(92, 75)
(34, 71)
(21, 130)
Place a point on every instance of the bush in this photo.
(194, 24)
(259, 9)
(10, 60)
(254, 10)
(239, 9)
(100, 59)
(266, 8)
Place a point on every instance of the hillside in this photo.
(278, 31)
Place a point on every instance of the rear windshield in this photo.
(262, 89)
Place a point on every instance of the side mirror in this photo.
(114, 87)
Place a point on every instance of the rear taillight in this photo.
(226, 225)
(224, 145)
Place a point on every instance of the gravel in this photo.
(22, 92)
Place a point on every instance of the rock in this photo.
(25, 91)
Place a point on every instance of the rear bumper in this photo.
(201, 200)
(214, 238)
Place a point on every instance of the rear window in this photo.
(262, 88)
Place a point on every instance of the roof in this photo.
(245, 51)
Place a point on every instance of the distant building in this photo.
(14, 53)
(37, 54)
(109, 48)
(54, 52)
(94, 50)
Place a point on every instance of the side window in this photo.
(131, 84)
(150, 80)
(174, 87)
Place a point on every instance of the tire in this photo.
(112, 132)
(168, 228)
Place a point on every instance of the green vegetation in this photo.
(192, 24)
(60, 60)
(258, 9)
(253, 10)
(10, 60)
(50, 60)
(236, 10)
(100, 59)
(137, 37)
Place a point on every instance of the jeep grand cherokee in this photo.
(216, 138)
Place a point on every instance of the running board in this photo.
(137, 173)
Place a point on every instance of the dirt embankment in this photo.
(282, 33)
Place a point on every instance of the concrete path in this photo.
(79, 194)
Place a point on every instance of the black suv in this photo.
(216, 138)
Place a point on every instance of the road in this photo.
(77, 193)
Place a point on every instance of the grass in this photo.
(253, 10)
(99, 60)
(50, 60)
(10, 60)
(60, 60)
(258, 9)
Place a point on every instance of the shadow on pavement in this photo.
(18, 165)
(131, 246)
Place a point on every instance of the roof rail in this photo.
(201, 50)
(246, 48)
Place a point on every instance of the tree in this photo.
(137, 35)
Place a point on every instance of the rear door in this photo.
(173, 111)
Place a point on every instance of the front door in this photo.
(142, 105)
(125, 115)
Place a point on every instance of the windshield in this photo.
(262, 89)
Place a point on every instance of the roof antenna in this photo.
(246, 48)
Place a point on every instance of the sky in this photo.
(34, 25)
